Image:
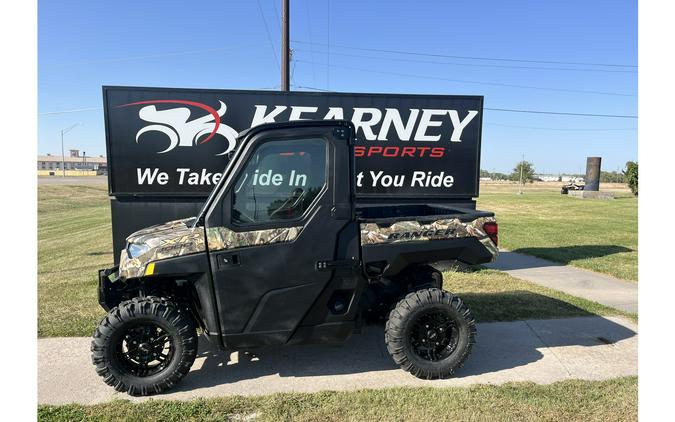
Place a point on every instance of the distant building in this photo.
(573, 179)
(547, 177)
(558, 178)
(73, 161)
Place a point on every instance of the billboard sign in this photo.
(168, 142)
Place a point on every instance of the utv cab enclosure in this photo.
(285, 252)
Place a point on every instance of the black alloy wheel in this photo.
(144, 345)
(430, 333)
(434, 335)
(145, 349)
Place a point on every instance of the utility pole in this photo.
(285, 48)
(63, 152)
(520, 185)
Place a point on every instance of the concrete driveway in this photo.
(540, 351)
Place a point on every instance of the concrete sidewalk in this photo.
(590, 285)
(540, 351)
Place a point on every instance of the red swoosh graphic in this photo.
(212, 111)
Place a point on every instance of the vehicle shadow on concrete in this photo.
(562, 255)
(500, 346)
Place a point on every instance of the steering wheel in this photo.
(243, 217)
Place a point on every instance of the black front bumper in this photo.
(108, 295)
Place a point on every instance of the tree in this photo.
(612, 177)
(631, 174)
(494, 175)
(528, 172)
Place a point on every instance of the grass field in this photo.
(612, 400)
(592, 234)
(496, 296)
(74, 241)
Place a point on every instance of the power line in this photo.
(508, 110)
(410, 75)
(477, 65)
(563, 129)
(328, 45)
(75, 110)
(312, 88)
(309, 31)
(276, 13)
(416, 53)
(269, 36)
(145, 57)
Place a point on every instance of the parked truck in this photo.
(285, 252)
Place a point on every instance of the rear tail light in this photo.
(492, 230)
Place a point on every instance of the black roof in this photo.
(293, 124)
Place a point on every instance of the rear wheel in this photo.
(144, 345)
(430, 333)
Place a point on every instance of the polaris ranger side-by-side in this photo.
(283, 252)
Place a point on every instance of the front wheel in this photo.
(430, 333)
(144, 346)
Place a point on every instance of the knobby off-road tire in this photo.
(127, 357)
(430, 333)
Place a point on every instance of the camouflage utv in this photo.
(291, 258)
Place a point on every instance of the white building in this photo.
(72, 161)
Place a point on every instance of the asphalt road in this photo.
(540, 351)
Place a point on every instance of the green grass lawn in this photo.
(612, 400)
(496, 296)
(592, 234)
(74, 241)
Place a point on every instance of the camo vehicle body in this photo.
(402, 231)
(180, 237)
(313, 275)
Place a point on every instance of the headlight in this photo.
(135, 250)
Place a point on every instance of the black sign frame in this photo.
(287, 98)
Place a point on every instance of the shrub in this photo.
(631, 173)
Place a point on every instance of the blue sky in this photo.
(218, 44)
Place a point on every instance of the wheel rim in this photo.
(145, 349)
(434, 335)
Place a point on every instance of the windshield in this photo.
(202, 214)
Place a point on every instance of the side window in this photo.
(280, 181)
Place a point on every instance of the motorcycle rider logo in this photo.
(175, 124)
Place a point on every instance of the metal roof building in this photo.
(73, 161)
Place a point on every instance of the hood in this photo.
(157, 231)
(168, 240)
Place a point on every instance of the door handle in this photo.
(227, 260)
(332, 265)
